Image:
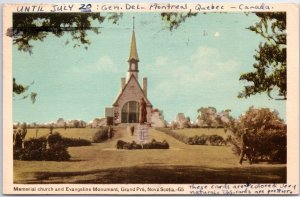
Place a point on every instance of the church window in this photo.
(130, 112)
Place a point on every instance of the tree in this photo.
(207, 115)
(174, 19)
(270, 68)
(267, 134)
(23, 130)
(22, 91)
(28, 27)
(224, 118)
(76, 123)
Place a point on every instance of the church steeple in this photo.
(133, 56)
(133, 51)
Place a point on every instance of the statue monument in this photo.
(143, 109)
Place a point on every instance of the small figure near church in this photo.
(109, 132)
(143, 105)
(132, 130)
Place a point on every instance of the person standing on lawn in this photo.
(245, 147)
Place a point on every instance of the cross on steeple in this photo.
(133, 22)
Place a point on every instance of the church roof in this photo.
(132, 77)
(133, 51)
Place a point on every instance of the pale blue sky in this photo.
(186, 70)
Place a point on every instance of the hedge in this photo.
(214, 140)
(103, 134)
(36, 148)
(151, 145)
(71, 142)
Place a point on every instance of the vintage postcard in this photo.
(151, 98)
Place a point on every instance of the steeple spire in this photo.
(133, 51)
(133, 23)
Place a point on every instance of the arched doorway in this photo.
(130, 112)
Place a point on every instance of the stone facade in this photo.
(131, 92)
(157, 119)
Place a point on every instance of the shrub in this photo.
(71, 142)
(36, 149)
(198, 140)
(102, 134)
(274, 150)
(53, 139)
(174, 125)
(17, 153)
(134, 145)
(216, 140)
(151, 145)
(267, 134)
(57, 152)
(120, 144)
(156, 145)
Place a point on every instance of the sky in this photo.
(196, 65)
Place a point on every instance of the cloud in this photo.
(205, 69)
(103, 64)
(205, 55)
(217, 34)
(164, 61)
(161, 61)
(210, 60)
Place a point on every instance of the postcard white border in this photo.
(292, 108)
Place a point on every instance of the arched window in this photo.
(130, 112)
(132, 66)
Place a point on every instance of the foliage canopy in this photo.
(269, 73)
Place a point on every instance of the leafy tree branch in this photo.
(269, 73)
(22, 91)
(29, 27)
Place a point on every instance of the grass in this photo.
(82, 133)
(165, 174)
(190, 132)
(103, 163)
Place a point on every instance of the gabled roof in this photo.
(132, 77)
(133, 51)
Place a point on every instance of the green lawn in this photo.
(103, 163)
(82, 133)
(190, 132)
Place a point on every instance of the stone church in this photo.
(126, 107)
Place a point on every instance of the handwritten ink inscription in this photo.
(61, 8)
(243, 189)
(42, 8)
(200, 7)
(30, 8)
(85, 7)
